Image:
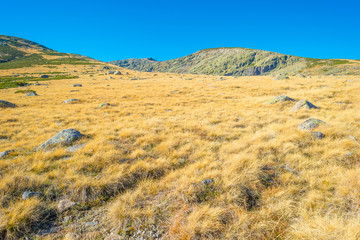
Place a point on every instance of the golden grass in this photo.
(147, 154)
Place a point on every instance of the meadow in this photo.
(139, 170)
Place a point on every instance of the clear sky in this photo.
(112, 30)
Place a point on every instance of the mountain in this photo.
(242, 62)
(18, 52)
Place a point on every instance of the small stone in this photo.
(65, 204)
(5, 153)
(353, 138)
(104, 105)
(77, 85)
(91, 224)
(318, 135)
(207, 182)
(310, 123)
(280, 76)
(31, 94)
(72, 100)
(281, 98)
(28, 194)
(67, 219)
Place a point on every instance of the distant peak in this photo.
(151, 59)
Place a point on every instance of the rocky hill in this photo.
(18, 53)
(242, 62)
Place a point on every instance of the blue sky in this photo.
(112, 30)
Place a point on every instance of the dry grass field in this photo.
(139, 169)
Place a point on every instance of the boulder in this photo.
(111, 72)
(65, 204)
(303, 104)
(28, 194)
(31, 94)
(63, 138)
(77, 85)
(310, 124)
(6, 104)
(117, 73)
(281, 98)
(71, 100)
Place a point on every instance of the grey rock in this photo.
(77, 85)
(91, 224)
(117, 73)
(300, 75)
(74, 90)
(65, 137)
(31, 94)
(207, 182)
(105, 68)
(67, 219)
(72, 100)
(318, 135)
(111, 72)
(349, 154)
(28, 194)
(310, 124)
(44, 76)
(280, 77)
(104, 105)
(5, 153)
(303, 104)
(65, 204)
(6, 104)
(353, 138)
(281, 98)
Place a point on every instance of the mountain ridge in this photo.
(237, 61)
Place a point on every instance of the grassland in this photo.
(144, 157)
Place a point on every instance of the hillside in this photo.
(243, 62)
(35, 60)
(19, 53)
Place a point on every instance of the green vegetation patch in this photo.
(8, 53)
(313, 62)
(37, 59)
(10, 82)
(24, 91)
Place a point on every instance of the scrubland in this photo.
(146, 155)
